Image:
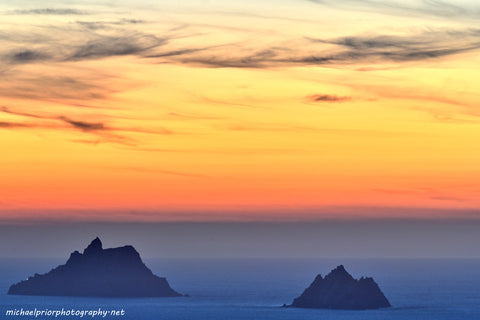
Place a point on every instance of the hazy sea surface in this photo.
(247, 289)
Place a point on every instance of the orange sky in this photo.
(225, 106)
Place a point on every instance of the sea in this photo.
(250, 289)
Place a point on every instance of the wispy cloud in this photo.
(161, 171)
(84, 86)
(426, 45)
(105, 132)
(427, 192)
(328, 98)
(51, 11)
(84, 125)
(100, 25)
(29, 56)
(462, 116)
(19, 113)
(174, 53)
(438, 8)
(51, 46)
(276, 127)
(92, 41)
(77, 124)
(259, 59)
(356, 49)
(116, 46)
(12, 125)
(190, 116)
(448, 198)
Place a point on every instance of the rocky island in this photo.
(98, 272)
(339, 290)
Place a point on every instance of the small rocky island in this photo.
(339, 290)
(98, 272)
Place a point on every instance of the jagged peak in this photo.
(318, 277)
(339, 273)
(94, 246)
(339, 270)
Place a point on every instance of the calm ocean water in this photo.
(247, 289)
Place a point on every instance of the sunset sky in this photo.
(239, 110)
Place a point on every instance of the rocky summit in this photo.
(339, 290)
(98, 272)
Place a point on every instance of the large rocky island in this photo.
(339, 290)
(98, 272)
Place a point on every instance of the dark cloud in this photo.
(12, 125)
(28, 56)
(173, 53)
(23, 114)
(83, 125)
(94, 25)
(116, 46)
(98, 47)
(51, 11)
(104, 132)
(328, 98)
(98, 25)
(130, 21)
(63, 89)
(260, 59)
(430, 44)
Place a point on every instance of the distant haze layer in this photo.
(399, 238)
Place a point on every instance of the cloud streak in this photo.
(426, 45)
(116, 46)
(50, 11)
(328, 98)
(12, 125)
(101, 129)
(436, 8)
(92, 40)
(101, 25)
(84, 125)
(66, 89)
(28, 56)
(343, 51)
(182, 116)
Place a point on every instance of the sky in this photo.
(206, 111)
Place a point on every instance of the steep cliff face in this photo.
(115, 272)
(339, 290)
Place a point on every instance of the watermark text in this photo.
(55, 313)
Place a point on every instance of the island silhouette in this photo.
(339, 290)
(98, 272)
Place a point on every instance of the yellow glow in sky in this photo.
(225, 106)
